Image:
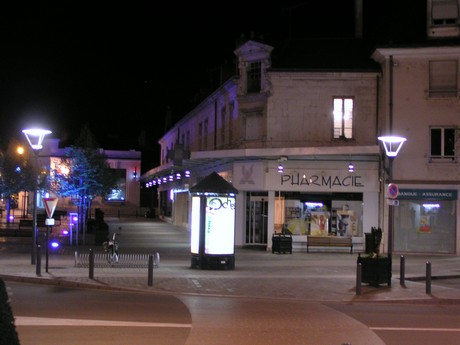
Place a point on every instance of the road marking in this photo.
(197, 283)
(44, 321)
(410, 329)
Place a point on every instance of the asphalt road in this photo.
(50, 315)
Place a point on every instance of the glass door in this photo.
(256, 220)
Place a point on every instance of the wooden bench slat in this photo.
(329, 241)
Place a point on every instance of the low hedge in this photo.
(8, 334)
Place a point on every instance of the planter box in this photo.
(375, 271)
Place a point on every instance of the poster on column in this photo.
(220, 225)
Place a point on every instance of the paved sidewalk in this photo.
(257, 274)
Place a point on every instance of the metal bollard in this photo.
(91, 264)
(150, 275)
(359, 271)
(156, 260)
(402, 270)
(38, 261)
(428, 278)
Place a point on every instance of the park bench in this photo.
(27, 223)
(329, 241)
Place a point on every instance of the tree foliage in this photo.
(83, 174)
(17, 173)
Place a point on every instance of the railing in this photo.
(124, 260)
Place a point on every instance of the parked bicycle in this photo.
(111, 248)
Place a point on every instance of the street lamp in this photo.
(392, 145)
(35, 137)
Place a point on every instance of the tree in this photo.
(83, 174)
(16, 174)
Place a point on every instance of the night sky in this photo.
(118, 66)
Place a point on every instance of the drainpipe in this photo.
(390, 110)
(215, 125)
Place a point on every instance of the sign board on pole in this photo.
(50, 206)
(392, 191)
(393, 202)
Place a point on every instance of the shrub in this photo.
(8, 334)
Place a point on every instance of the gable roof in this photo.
(213, 183)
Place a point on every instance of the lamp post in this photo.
(392, 145)
(35, 137)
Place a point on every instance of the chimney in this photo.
(358, 18)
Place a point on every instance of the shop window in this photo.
(254, 76)
(425, 226)
(443, 79)
(442, 143)
(343, 118)
(119, 192)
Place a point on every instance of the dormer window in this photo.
(254, 74)
(254, 59)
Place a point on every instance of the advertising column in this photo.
(212, 239)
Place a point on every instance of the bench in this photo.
(27, 223)
(329, 241)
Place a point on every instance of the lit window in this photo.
(442, 143)
(343, 118)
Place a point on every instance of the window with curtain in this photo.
(343, 117)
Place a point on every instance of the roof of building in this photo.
(214, 183)
(340, 54)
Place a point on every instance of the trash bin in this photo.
(282, 243)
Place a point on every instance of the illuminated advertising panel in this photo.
(195, 226)
(220, 225)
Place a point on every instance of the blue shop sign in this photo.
(427, 194)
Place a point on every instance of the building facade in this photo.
(298, 139)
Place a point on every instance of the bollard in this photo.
(38, 260)
(358, 278)
(428, 278)
(156, 260)
(150, 275)
(91, 264)
(402, 270)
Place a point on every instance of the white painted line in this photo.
(410, 329)
(197, 283)
(44, 321)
